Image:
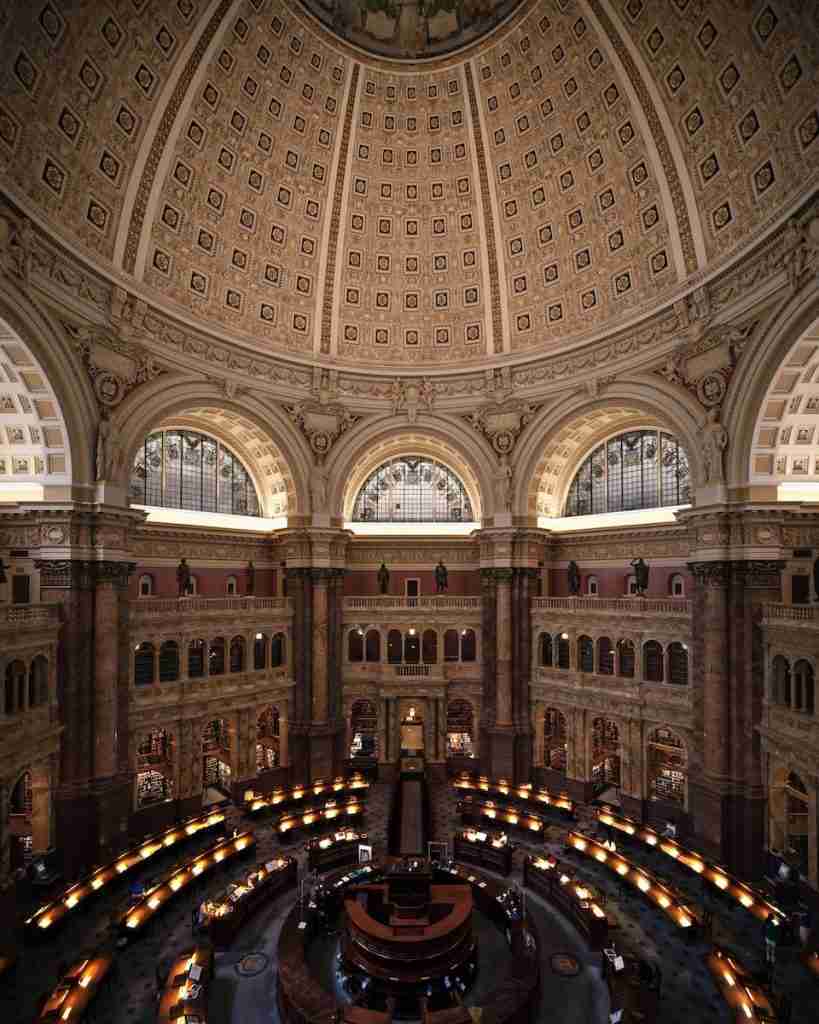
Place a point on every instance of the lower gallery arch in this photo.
(605, 751)
(460, 729)
(155, 768)
(555, 741)
(667, 767)
(792, 824)
(363, 730)
(268, 739)
(217, 761)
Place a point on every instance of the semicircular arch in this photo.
(257, 433)
(365, 449)
(556, 442)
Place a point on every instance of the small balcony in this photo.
(29, 616)
(804, 616)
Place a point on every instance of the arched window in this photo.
(678, 664)
(545, 650)
(364, 730)
(38, 682)
(278, 650)
(216, 656)
(372, 646)
(196, 659)
(468, 646)
(803, 686)
(144, 664)
(412, 489)
(155, 767)
(585, 654)
(667, 767)
(781, 673)
(188, 470)
(592, 586)
(563, 655)
(459, 729)
(451, 648)
(625, 656)
(355, 644)
(146, 585)
(260, 652)
(676, 585)
(605, 656)
(554, 740)
(652, 662)
(395, 646)
(237, 654)
(169, 661)
(637, 469)
(412, 647)
(231, 586)
(429, 647)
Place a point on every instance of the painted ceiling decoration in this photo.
(295, 178)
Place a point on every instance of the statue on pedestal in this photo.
(573, 571)
(183, 578)
(640, 575)
(383, 578)
(441, 578)
(714, 443)
(103, 439)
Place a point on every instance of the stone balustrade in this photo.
(790, 615)
(29, 616)
(641, 606)
(397, 602)
(159, 607)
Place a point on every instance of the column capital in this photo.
(82, 574)
(752, 573)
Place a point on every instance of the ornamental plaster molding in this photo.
(111, 386)
(68, 280)
(321, 424)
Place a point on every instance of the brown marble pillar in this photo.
(726, 796)
(319, 643)
(503, 670)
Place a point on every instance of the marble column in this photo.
(106, 629)
(320, 667)
(41, 806)
(727, 797)
(503, 672)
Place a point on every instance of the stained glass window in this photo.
(412, 489)
(638, 469)
(184, 469)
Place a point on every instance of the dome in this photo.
(529, 179)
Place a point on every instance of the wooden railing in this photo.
(28, 615)
(144, 606)
(431, 602)
(411, 670)
(618, 605)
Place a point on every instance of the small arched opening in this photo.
(667, 767)
(268, 739)
(460, 725)
(364, 730)
(154, 768)
(555, 746)
(216, 761)
(605, 754)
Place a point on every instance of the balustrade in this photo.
(617, 605)
(430, 602)
(148, 607)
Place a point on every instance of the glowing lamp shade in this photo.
(720, 881)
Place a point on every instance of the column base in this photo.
(92, 822)
(501, 752)
(730, 826)
(314, 750)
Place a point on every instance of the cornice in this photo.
(66, 278)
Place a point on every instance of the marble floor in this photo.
(688, 995)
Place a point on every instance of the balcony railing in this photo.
(788, 613)
(431, 602)
(29, 615)
(617, 605)
(411, 670)
(149, 606)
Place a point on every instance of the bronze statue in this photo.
(573, 571)
(441, 578)
(383, 578)
(640, 575)
(183, 578)
(251, 579)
